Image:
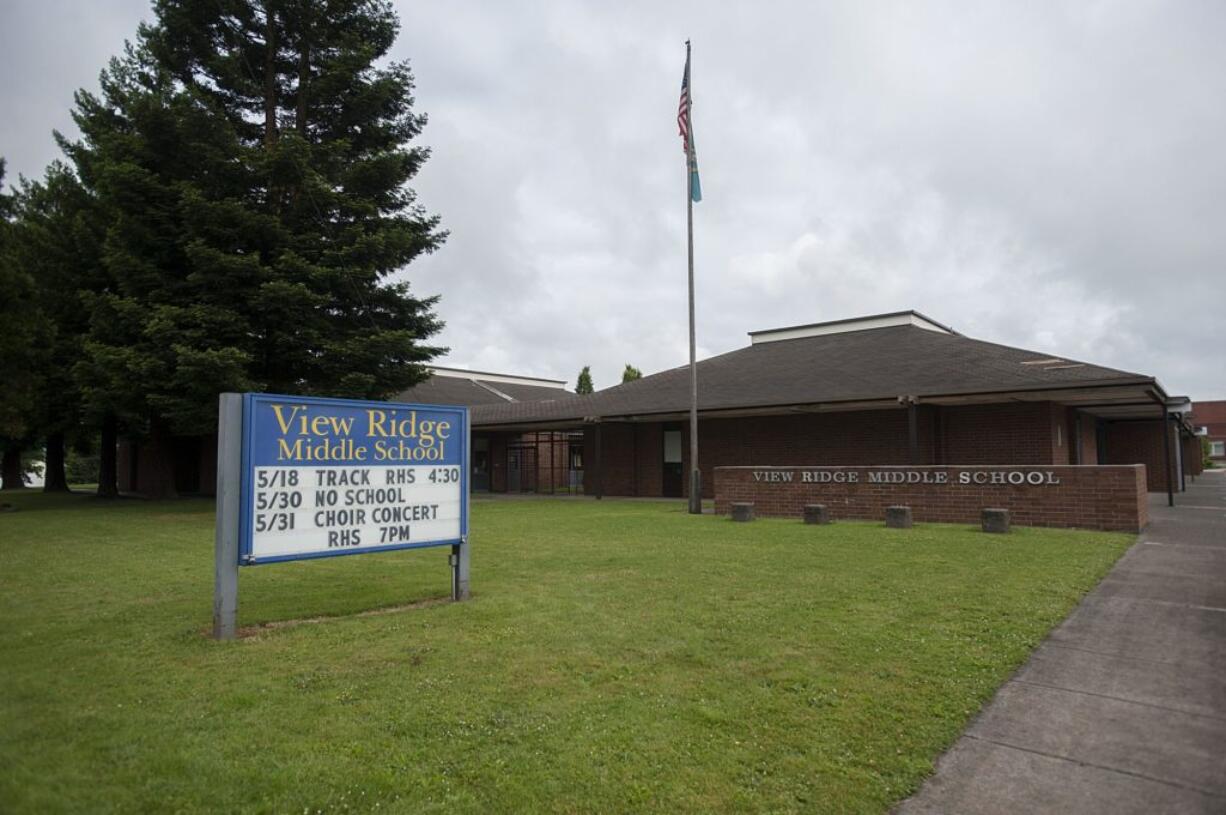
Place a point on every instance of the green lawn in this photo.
(616, 657)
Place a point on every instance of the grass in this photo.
(615, 657)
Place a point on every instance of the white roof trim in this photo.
(844, 326)
(507, 379)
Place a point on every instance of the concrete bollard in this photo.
(898, 517)
(995, 520)
(742, 510)
(816, 514)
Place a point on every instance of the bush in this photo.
(81, 468)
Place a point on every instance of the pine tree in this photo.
(23, 337)
(58, 246)
(631, 373)
(254, 161)
(131, 158)
(323, 200)
(584, 385)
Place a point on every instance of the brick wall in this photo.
(1193, 457)
(649, 463)
(863, 437)
(615, 465)
(1139, 442)
(193, 461)
(1098, 497)
(1017, 433)
(1211, 415)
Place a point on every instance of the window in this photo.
(672, 446)
(1217, 449)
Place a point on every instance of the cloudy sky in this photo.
(1046, 175)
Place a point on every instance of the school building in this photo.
(886, 389)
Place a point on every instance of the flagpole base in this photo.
(696, 492)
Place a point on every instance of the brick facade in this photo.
(1090, 497)
(1193, 458)
(1013, 433)
(1211, 415)
(1140, 442)
(193, 461)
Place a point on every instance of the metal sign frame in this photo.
(235, 499)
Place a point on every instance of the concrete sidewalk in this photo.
(1123, 708)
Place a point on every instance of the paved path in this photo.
(1123, 708)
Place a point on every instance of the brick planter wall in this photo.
(1089, 497)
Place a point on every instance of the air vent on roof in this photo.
(844, 326)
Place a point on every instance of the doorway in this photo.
(521, 468)
(481, 465)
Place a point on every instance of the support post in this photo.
(459, 551)
(913, 431)
(459, 570)
(553, 475)
(599, 462)
(1179, 465)
(225, 542)
(1166, 454)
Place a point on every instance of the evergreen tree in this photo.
(584, 385)
(253, 159)
(23, 337)
(58, 246)
(130, 159)
(631, 373)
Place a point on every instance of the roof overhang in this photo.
(1136, 398)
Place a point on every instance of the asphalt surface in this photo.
(1122, 709)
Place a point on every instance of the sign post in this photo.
(306, 477)
(229, 474)
(459, 551)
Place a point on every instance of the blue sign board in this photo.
(326, 477)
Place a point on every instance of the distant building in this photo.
(1209, 419)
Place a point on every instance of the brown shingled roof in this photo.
(865, 365)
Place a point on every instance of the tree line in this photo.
(230, 218)
(584, 384)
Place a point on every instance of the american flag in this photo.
(683, 110)
(687, 131)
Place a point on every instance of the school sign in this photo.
(306, 477)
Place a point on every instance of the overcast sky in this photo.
(1046, 175)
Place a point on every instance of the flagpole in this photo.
(695, 473)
